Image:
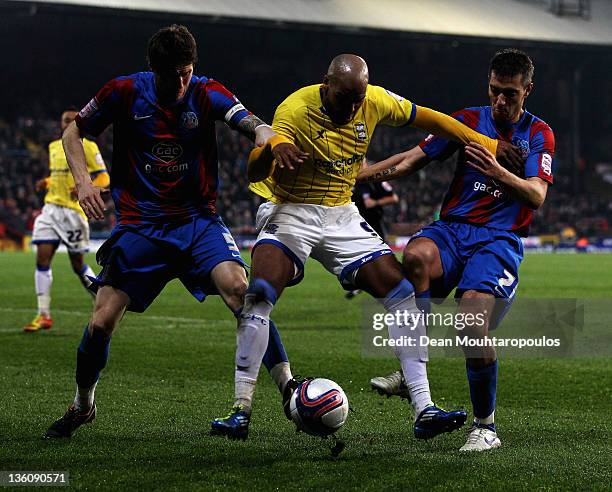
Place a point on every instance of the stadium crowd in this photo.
(24, 159)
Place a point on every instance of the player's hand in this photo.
(288, 155)
(369, 202)
(483, 161)
(510, 157)
(40, 185)
(91, 201)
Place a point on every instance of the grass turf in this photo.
(171, 371)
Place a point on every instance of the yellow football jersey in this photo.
(335, 152)
(61, 182)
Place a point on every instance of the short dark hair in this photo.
(71, 107)
(510, 62)
(171, 47)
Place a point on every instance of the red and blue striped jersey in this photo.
(477, 199)
(164, 165)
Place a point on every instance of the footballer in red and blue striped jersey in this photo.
(480, 220)
(476, 199)
(164, 157)
(164, 180)
(476, 247)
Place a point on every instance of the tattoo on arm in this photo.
(384, 174)
(247, 125)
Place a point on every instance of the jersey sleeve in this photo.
(541, 152)
(283, 122)
(95, 162)
(101, 110)
(393, 110)
(224, 105)
(438, 148)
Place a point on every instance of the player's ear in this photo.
(528, 89)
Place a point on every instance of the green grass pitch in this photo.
(171, 371)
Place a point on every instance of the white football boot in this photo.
(391, 385)
(481, 439)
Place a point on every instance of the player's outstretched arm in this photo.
(448, 127)
(530, 191)
(396, 166)
(89, 196)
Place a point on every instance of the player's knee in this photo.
(104, 320)
(235, 290)
(102, 325)
(416, 263)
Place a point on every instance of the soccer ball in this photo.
(319, 407)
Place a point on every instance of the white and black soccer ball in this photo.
(319, 407)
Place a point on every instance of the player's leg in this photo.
(231, 282)
(354, 252)
(92, 355)
(429, 263)
(46, 239)
(486, 291)
(481, 368)
(75, 234)
(82, 270)
(43, 280)
(135, 270)
(282, 247)
(376, 277)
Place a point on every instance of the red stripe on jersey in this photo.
(469, 117)
(481, 213)
(523, 220)
(455, 196)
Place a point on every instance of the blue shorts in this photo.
(474, 258)
(141, 259)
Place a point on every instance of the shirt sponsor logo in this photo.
(167, 151)
(189, 120)
(491, 190)
(89, 109)
(546, 164)
(360, 131)
(339, 167)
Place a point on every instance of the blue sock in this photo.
(423, 301)
(275, 353)
(483, 389)
(403, 290)
(92, 355)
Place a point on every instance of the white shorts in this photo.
(58, 224)
(337, 237)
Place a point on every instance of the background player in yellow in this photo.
(62, 221)
(309, 213)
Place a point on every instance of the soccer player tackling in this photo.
(163, 183)
(475, 247)
(308, 212)
(62, 221)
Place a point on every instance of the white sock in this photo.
(413, 359)
(87, 271)
(487, 420)
(281, 374)
(42, 281)
(84, 398)
(251, 344)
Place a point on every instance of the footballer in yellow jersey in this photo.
(62, 221)
(308, 213)
(60, 183)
